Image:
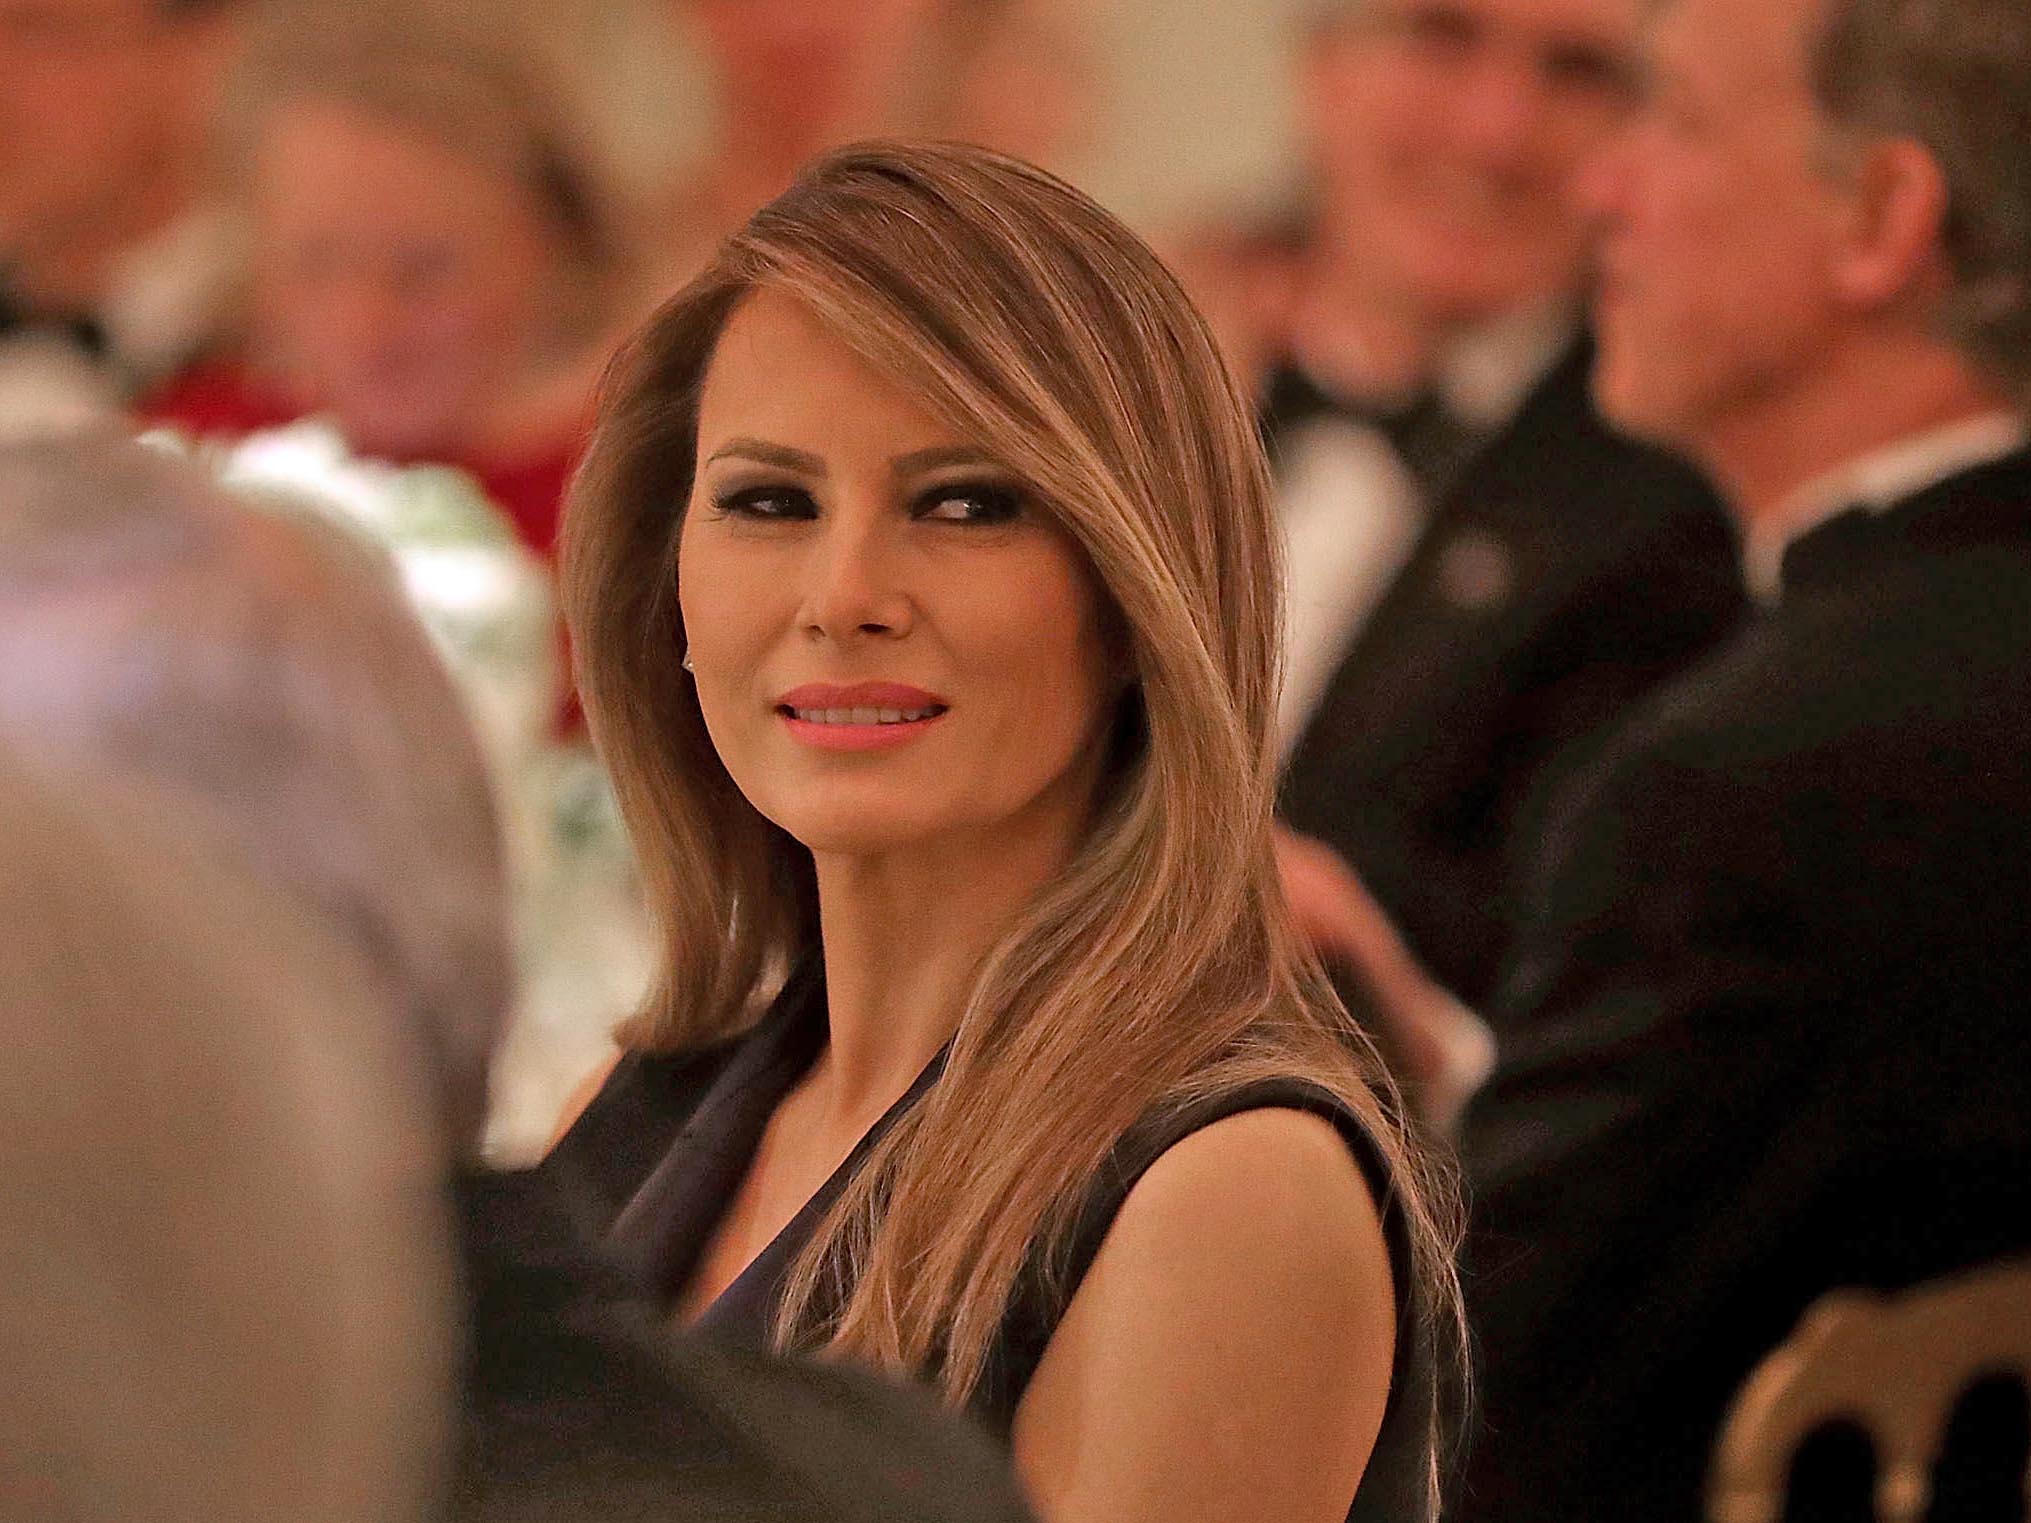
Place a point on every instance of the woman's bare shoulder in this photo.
(1262, 1193)
(1234, 1338)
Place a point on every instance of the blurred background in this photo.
(1189, 101)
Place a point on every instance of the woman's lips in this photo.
(862, 716)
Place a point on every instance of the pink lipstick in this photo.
(862, 716)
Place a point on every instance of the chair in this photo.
(1893, 1364)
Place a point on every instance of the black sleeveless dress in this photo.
(664, 1146)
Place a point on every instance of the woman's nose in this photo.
(361, 310)
(855, 587)
(1601, 186)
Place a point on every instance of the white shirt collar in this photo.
(1485, 374)
(1875, 481)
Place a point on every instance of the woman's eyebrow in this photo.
(764, 453)
(938, 455)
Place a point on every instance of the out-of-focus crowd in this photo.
(414, 220)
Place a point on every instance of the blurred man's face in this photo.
(89, 93)
(1448, 134)
(1719, 224)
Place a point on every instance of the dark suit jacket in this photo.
(1767, 1022)
(1565, 572)
(577, 1403)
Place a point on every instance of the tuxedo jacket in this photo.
(1768, 1025)
(1563, 573)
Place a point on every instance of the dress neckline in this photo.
(663, 1230)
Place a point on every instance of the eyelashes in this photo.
(979, 502)
(767, 503)
(957, 502)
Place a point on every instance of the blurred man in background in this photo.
(253, 672)
(793, 78)
(227, 1285)
(112, 273)
(1767, 1013)
(264, 666)
(1483, 575)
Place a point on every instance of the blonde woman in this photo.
(923, 577)
(435, 262)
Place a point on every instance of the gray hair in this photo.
(1955, 76)
(228, 1289)
(263, 667)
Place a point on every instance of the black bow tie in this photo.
(1425, 435)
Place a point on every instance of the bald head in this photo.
(262, 670)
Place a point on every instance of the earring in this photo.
(686, 662)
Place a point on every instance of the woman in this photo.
(431, 258)
(923, 577)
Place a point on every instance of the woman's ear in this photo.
(1894, 246)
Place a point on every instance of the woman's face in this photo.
(398, 284)
(894, 647)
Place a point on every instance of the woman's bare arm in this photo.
(1227, 1358)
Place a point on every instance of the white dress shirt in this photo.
(1353, 511)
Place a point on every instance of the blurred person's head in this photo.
(227, 1290)
(1821, 220)
(1446, 135)
(1013, 75)
(794, 77)
(428, 231)
(103, 109)
(263, 668)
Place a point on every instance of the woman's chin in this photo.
(409, 433)
(859, 828)
(859, 838)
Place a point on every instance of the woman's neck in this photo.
(904, 936)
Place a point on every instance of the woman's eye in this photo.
(766, 502)
(971, 502)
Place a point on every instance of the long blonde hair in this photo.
(1161, 966)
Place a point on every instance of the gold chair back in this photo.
(1896, 1365)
